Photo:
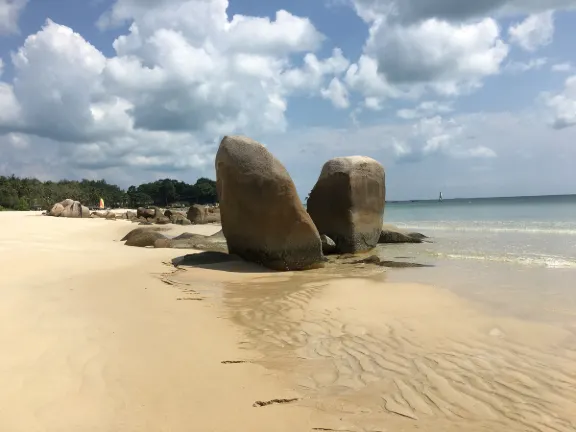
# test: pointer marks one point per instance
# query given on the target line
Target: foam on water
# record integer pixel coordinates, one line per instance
(534, 260)
(488, 226)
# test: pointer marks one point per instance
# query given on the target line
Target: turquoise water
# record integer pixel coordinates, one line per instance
(515, 254)
(538, 231)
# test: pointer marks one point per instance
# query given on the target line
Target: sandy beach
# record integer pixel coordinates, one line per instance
(98, 336)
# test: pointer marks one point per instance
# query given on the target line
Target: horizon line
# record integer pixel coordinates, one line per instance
(480, 198)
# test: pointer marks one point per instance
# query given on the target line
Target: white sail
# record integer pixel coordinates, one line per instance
(440, 198)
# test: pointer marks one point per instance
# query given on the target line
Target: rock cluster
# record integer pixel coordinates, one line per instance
(264, 221)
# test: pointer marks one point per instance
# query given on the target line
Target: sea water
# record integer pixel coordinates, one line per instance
(533, 231)
(518, 253)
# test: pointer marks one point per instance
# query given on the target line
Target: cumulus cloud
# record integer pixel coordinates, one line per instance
(364, 78)
(310, 76)
(425, 109)
(183, 74)
(336, 93)
(10, 11)
(441, 136)
(432, 56)
(437, 51)
(534, 32)
(516, 67)
(562, 67)
(562, 106)
(485, 154)
(444, 47)
(410, 11)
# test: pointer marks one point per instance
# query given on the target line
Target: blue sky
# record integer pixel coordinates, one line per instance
(473, 100)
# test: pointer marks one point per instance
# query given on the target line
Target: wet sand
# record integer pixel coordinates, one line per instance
(104, 337)
(404, 356)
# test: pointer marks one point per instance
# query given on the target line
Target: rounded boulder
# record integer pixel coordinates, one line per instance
(262, 216)
(347, 202)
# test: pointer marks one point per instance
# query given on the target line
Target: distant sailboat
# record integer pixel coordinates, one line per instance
(440, 197)
(101, 203)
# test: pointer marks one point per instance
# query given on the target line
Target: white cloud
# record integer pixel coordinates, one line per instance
(562, 106)
(437, 51)
(436, 134)
(183, 74)
(427, 57)
(516, 137)
(312, 73)
(65, 103)
(480, 152)
(410, 11)
(336, 93)
(440, 136)
(10, 11)
(373, 103)
(364, 78)
(425, 109)
(18, 141)
(534, 32)
(520, 67)
(562, 67)
(9, 107)
(467, 167)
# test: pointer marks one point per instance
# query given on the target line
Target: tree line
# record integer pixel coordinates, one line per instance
(32, 194)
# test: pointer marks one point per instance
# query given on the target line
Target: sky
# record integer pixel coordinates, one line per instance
(471, 98)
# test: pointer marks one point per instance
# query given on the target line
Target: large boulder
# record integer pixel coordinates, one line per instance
(347, 202)
(67, 202)
(70, 209)
(56, 210)
(263, 219)
(199, 214)
(196, 214)
(146, 212)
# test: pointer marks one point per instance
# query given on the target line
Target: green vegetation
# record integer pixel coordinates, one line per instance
(29, 194)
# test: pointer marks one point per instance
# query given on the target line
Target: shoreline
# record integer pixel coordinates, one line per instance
(106, 337)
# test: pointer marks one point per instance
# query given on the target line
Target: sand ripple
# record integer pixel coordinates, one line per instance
(414, 357)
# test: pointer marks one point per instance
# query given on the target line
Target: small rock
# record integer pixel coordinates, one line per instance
(162, 220)
(145, 238)
(328, 245)
(391, 236)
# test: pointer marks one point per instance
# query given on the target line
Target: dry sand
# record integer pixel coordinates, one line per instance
(93, 340)
(98, 336)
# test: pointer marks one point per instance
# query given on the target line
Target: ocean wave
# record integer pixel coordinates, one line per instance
(548, 261)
